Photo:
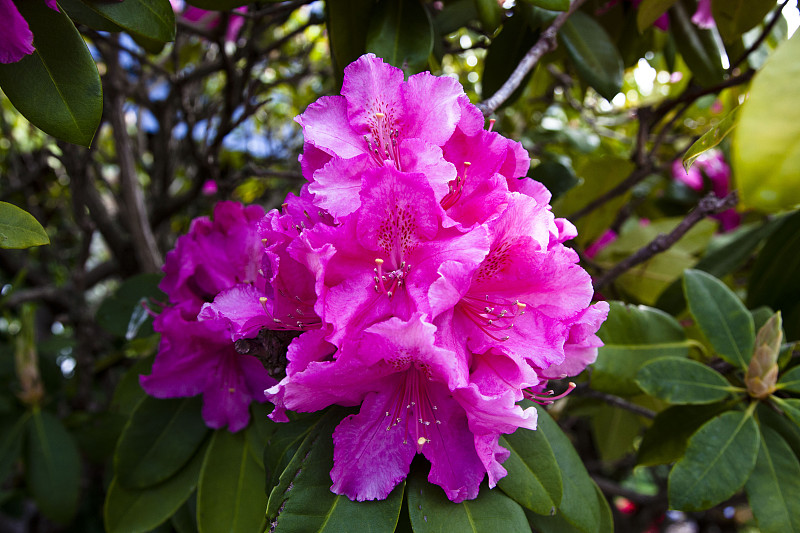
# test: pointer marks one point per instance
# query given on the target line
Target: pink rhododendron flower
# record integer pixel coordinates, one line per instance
(713, 166)
(198, 357)
(703, 18)
(441, 290)
(209, 20)
(16, 38)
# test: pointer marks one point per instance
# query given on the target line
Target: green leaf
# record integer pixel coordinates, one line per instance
(775, 278)
(129, 393)
(581, 509)
(140, 510)
(556, 177)
(534, 479)
(11, 438)
(53, 467)
(160, 437)
(282, 448)
(348, 23)
(310, 506)
(766, 144)
(432, 512)
(790, 407)
(504, 54)
(774, 486)
(80, 12)
(260, 431)
(790, 381)
(682, 381)
(735, 17)
(785, 427)
(632, 336)
(401, 32)
(152, 19)
(614, 431)
(224, 5)
(721, 316)
(185, 518)
(57, 87)
(649, 11)
(118, 313)
(489, 13)
(595, 56)
(551, 5)
(18, 228)
(230, 494)
(697, 46)
(710, 139)
(455, 15)
(718, 461)
(666, 439)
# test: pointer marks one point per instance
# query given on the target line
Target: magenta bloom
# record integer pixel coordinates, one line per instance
(713, 166)
(16, 38)
(198, 357)
(430, 280)
(209, 20)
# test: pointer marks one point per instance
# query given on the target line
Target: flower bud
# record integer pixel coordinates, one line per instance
(762, 374)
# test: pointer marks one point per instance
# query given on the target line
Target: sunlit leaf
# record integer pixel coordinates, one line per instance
(18, 228)
(682, 381)
(766, 143)
(710, 139)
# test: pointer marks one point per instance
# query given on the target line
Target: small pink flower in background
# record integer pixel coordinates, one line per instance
(210, 188)
(703, 17)
(16, 38)
(713, 166)
(604, 240)
(209, 20)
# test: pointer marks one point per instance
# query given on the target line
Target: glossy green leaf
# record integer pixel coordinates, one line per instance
(721, 316)
(697, 46)
(649, 11)
(281, 449)
(310, 506)
(773, 489)
(534, 479)
(432, 512)
(666, 439)
(401, 32)
(260, 431)
(184, 520)
(682, 381)
(556, 177)
(140, 510)
(632, 336)
(11, 439)
(78, 11)
(581, 509)
(504, 54)
(455, 15)
(766, 144)
(152, 19)
(225, 5)
(57, 87)
(347, 24)
(160, 437)
(551, 5)
(18, 228)
(53, 467)
(594, 55)
(790, 407)
(735, 17)
(129, 393)
(790, 381)
(775, 278)
(710, 139)
(230, 494)
(718, 461)
(777, 421)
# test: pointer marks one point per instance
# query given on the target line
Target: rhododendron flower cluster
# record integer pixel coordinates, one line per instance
(425, 279)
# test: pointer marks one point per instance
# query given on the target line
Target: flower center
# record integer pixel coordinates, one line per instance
(389, 282)
(456, 187)
(382, 140)
(410, 404)
(492, 315)
(301, 318)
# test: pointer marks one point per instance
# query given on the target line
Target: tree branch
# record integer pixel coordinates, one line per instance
(546, 43)
(709, 205)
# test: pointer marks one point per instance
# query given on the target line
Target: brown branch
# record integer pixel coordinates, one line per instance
(708, 205)
(546, 43)
(616, 401)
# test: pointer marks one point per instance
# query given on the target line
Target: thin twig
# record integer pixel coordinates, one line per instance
(616, 401)
(764, 34)
(546, 43)
(708, 205)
